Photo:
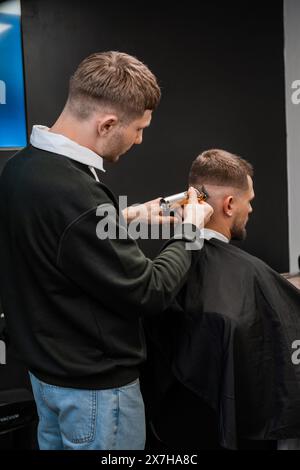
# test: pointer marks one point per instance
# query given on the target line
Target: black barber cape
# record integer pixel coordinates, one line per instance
(229, 340)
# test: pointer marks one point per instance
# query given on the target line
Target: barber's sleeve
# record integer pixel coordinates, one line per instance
(115, 271)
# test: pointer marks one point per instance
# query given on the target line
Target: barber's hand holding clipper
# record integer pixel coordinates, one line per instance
(193, 212)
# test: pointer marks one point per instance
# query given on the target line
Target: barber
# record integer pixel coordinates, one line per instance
(73, 299)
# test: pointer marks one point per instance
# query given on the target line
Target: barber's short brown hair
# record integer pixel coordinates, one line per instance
(220, 168)
(113, 79)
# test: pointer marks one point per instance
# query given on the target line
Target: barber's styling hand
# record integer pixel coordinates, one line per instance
(194, 212)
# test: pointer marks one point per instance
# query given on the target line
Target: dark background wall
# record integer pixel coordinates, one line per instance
(221, 68)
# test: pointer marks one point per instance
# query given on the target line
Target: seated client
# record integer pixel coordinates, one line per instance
(230, 372)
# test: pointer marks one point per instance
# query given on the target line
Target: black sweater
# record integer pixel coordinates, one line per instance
(73, 302)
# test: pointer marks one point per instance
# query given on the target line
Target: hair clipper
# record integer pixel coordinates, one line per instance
(180, 199)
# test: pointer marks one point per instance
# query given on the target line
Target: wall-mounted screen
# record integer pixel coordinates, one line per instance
(12, 100)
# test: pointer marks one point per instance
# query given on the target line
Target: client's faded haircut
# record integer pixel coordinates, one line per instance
(220, 168)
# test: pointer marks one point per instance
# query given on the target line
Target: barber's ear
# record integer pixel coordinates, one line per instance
(228, 206)
(106, 125)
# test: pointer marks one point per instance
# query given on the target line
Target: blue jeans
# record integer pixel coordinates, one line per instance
(69, 418)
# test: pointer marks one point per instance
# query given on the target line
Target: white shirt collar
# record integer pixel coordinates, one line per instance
(209, 233)
(57, 143)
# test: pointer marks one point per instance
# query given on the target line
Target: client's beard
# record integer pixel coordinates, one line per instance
(238, 232)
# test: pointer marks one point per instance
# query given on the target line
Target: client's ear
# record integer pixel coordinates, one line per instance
(107, 124)
(228, 206)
